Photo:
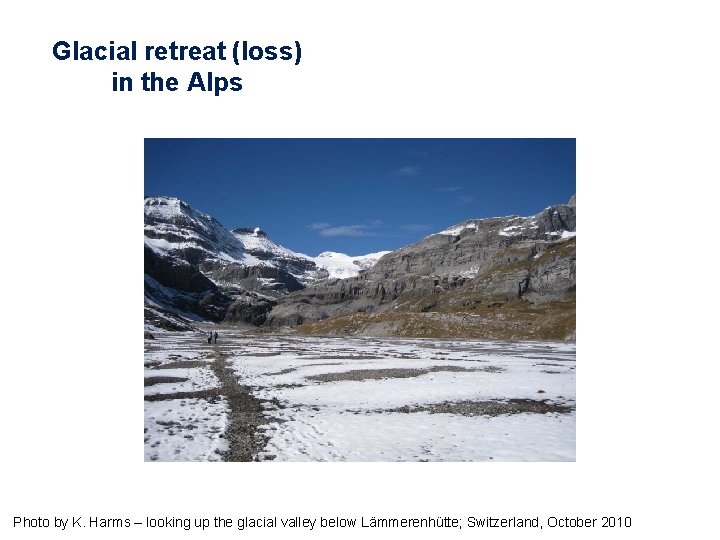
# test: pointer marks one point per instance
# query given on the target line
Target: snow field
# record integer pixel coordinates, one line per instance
(185, 430)
(190, 429)
(337, 399)
(349, 420)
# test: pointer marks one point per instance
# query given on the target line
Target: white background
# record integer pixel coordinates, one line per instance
(634, 82)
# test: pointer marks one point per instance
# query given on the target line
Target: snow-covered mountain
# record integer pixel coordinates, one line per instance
(172, 227)
(342, 266)
(193, 264)
(256, 243)
(305, 268)
(196, 268)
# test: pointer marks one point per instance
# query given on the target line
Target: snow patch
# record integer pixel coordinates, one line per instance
(341, 266)
(185, 430)
(457, 229)
(352, 420)
(512, 230)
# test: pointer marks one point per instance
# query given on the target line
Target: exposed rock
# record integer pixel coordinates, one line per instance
(249, 309)
(487, 277)
(159, 318)
(177, 286)
(175, 273)
(476, 261)
(298, 267)
(237, 278)
(197, 268)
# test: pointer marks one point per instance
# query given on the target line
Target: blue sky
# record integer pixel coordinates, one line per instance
(359, 196)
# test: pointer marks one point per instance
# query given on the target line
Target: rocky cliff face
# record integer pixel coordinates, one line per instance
(474, 246)
(176, 286)
(478, 261)
(511, 277)
(301, 267)
(199, 269)
(176, 231)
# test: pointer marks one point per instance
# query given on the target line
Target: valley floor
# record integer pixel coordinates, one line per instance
(294, 398)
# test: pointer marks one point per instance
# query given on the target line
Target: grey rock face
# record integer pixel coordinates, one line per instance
(302, 270)
(197, 267)
(249, 309)
(237, 278)
(171, 225)
(175, 285)
(475, 246)
(461, 255)
(176, 274)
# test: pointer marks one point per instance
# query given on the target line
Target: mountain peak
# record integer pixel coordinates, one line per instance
(165, 205)
(173, 227)
(254, 231)
(164, 208)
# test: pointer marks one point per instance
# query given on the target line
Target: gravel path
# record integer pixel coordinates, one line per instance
(246, 414)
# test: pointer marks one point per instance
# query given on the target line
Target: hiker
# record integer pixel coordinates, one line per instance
(209, 337)
(215, 337)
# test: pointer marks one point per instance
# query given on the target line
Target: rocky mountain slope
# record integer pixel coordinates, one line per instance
(506, 278)
(509, 277)
(196, 268)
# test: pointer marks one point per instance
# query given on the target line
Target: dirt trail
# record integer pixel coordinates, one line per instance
(246, 413)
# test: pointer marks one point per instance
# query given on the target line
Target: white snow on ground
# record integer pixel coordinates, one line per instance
(340, 265)
(351, 420)
(199, 378)
(185, 430)
(329, 436)
(189, 429)
(348, 420)
(434, 387)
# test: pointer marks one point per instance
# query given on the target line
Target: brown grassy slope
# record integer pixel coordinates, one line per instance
(513, 320)
(486, 307)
